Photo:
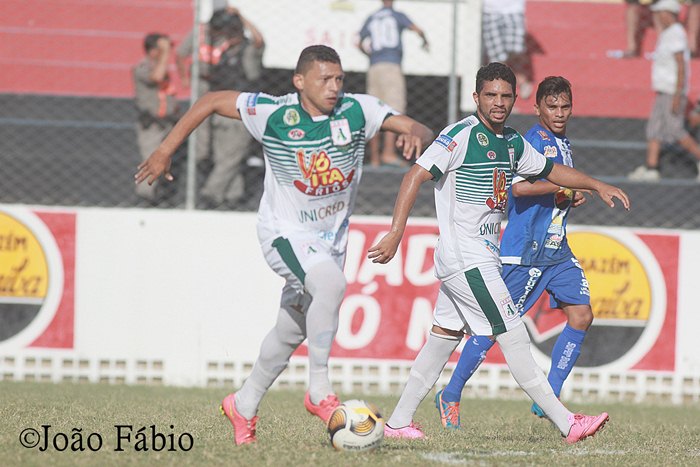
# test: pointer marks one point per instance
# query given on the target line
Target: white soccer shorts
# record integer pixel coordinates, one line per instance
(476, 301)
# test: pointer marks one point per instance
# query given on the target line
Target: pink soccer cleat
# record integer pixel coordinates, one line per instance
(411, 431)
(243, 429)
(583, 426)
(324, 409)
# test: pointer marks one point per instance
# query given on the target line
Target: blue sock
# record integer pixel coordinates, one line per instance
(566, 350)
(473, 354)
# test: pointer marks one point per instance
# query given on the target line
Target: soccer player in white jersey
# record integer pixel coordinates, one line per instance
(535, 254)
(473, 162)
(313, 142)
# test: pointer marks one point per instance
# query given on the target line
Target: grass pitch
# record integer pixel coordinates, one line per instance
(493, 433)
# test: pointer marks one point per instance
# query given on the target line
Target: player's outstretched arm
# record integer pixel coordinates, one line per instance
(386, 248)
(158, 163)
(413, 136)
(572, 178)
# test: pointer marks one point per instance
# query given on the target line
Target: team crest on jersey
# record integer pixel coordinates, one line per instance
(291, 117)
(550, 151)
(319, 177)
(296, 133)
(446, 142)
(482, 139)
(543, 134)
(491, 155)
(500, 191)
(340, 132)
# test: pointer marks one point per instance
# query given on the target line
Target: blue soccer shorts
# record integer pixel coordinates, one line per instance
(565, 282)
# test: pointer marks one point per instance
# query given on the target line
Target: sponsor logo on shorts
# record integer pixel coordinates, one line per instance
(507, 305)
(534, 274)
(482, 139)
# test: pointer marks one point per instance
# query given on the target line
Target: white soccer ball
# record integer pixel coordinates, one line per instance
(356, 425)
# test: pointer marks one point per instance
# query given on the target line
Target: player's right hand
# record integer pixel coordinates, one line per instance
(385, 250)
(156, 165)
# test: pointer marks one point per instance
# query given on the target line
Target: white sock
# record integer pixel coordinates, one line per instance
(326, 284)
(424, 373)
(275, 350)
(515, 345)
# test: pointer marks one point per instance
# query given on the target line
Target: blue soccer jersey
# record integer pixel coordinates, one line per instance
(536, 231)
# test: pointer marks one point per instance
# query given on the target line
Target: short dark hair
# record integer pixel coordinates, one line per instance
(226, 23)
(492, 72)
(151, 40)
(315, 53)
(553, 86)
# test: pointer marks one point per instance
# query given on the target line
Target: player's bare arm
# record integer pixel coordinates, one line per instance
(572, 178)
(386, 248)
(413, 136)
(220, 102)
(545, 187)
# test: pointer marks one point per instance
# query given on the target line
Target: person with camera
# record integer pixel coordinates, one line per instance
(230, 57)
(155, 101)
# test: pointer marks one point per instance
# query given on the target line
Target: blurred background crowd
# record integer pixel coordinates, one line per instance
(89, 88)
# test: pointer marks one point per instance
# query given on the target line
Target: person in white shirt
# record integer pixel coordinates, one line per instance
(670, 75)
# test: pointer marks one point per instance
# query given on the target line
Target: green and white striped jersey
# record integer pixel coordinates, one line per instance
(473, 169)
(313, 165)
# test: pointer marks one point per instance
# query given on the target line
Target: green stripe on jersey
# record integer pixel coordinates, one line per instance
(456, 129)
(485, 300)
(284, 248)
(437, 173)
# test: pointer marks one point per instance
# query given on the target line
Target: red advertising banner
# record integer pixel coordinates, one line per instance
(387, 310)
(37, 279)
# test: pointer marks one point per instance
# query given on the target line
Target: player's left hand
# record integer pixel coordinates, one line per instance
(608, 192)
(410, 145)
(579, 198)
(385, 250)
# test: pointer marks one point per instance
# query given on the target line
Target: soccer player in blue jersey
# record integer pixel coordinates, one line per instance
(535, 253)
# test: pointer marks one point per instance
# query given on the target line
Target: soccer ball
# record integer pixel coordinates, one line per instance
(356, 425)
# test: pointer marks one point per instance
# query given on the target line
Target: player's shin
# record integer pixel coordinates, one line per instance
(473, 354)
(326, 284)
(424, 373)
(515, 345)
(565, 352)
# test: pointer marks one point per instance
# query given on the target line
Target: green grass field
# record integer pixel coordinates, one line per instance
(501, 432)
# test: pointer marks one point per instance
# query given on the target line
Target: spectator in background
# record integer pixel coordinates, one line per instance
(380, 39)
(155, 101)
(693, 25)
(227, 60)
(670, 75)
(503, 34)
(636, 22)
